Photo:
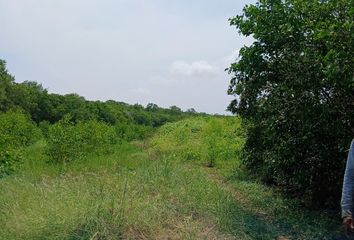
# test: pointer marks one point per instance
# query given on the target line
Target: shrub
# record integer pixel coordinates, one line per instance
(16, 132)
(130, 132)
(9, 160)
(68, 141)
(44, 127)
(294, 85)
(210, 140)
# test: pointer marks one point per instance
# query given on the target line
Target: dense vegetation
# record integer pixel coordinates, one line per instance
(77, 169)
(159, 188)
(42, 106)
(72, 126)
(16, 132)
(295, 89)
(67, 142)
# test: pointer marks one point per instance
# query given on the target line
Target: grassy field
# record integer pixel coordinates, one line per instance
(186, 182)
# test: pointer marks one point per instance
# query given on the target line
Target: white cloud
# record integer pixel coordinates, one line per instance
(125, 50)
(198, 68)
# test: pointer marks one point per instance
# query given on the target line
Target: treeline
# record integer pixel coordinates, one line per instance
(72, 126)
(296, 94)
(41, 106)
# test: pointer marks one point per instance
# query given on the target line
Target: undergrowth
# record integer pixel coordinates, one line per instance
(186, 182)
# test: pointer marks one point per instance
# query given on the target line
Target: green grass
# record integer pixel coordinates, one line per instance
(264, 213)
(161, 188)
(124, 195)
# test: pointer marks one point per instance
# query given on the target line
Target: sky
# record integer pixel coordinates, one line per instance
(136, 51)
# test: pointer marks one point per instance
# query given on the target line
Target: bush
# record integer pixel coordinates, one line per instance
(10, 159)
(68, 141)
(44, 127)
(130, 132)
(16, 132)
(294, 85)
(207, 140)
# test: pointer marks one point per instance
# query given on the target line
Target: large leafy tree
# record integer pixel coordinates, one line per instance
(29, 96)
(6, 81)
(294, 87)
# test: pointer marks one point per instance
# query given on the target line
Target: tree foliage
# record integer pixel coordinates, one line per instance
(67, 141)
(294, 86)
(73, 127)
(16, 132)
(40, 105)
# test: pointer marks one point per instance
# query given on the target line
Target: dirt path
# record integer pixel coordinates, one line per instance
(245, 202)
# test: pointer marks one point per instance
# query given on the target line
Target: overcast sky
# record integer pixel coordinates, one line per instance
(169, 52)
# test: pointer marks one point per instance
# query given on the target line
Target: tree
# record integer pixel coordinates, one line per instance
(28, 96)
(175, 110)
(191, 111)
(152, 107)
(294, 87)
(6, 80)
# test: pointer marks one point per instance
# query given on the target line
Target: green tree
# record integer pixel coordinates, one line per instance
(67, 141)
(28, 96)
(191, 111)
(175, 110)
(16, 132)
(152, 107)
(294, 86)
(6, 80)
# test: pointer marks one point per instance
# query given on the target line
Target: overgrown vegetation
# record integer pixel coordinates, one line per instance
(72, 126)
(42, 106)
(67, 142)
(16, 132)
(160, 188)
(77, 169)
(296, 93)
(205, 140)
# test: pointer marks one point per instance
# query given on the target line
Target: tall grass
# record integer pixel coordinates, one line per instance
(259, 211)
(128, 198)
(162, 188)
